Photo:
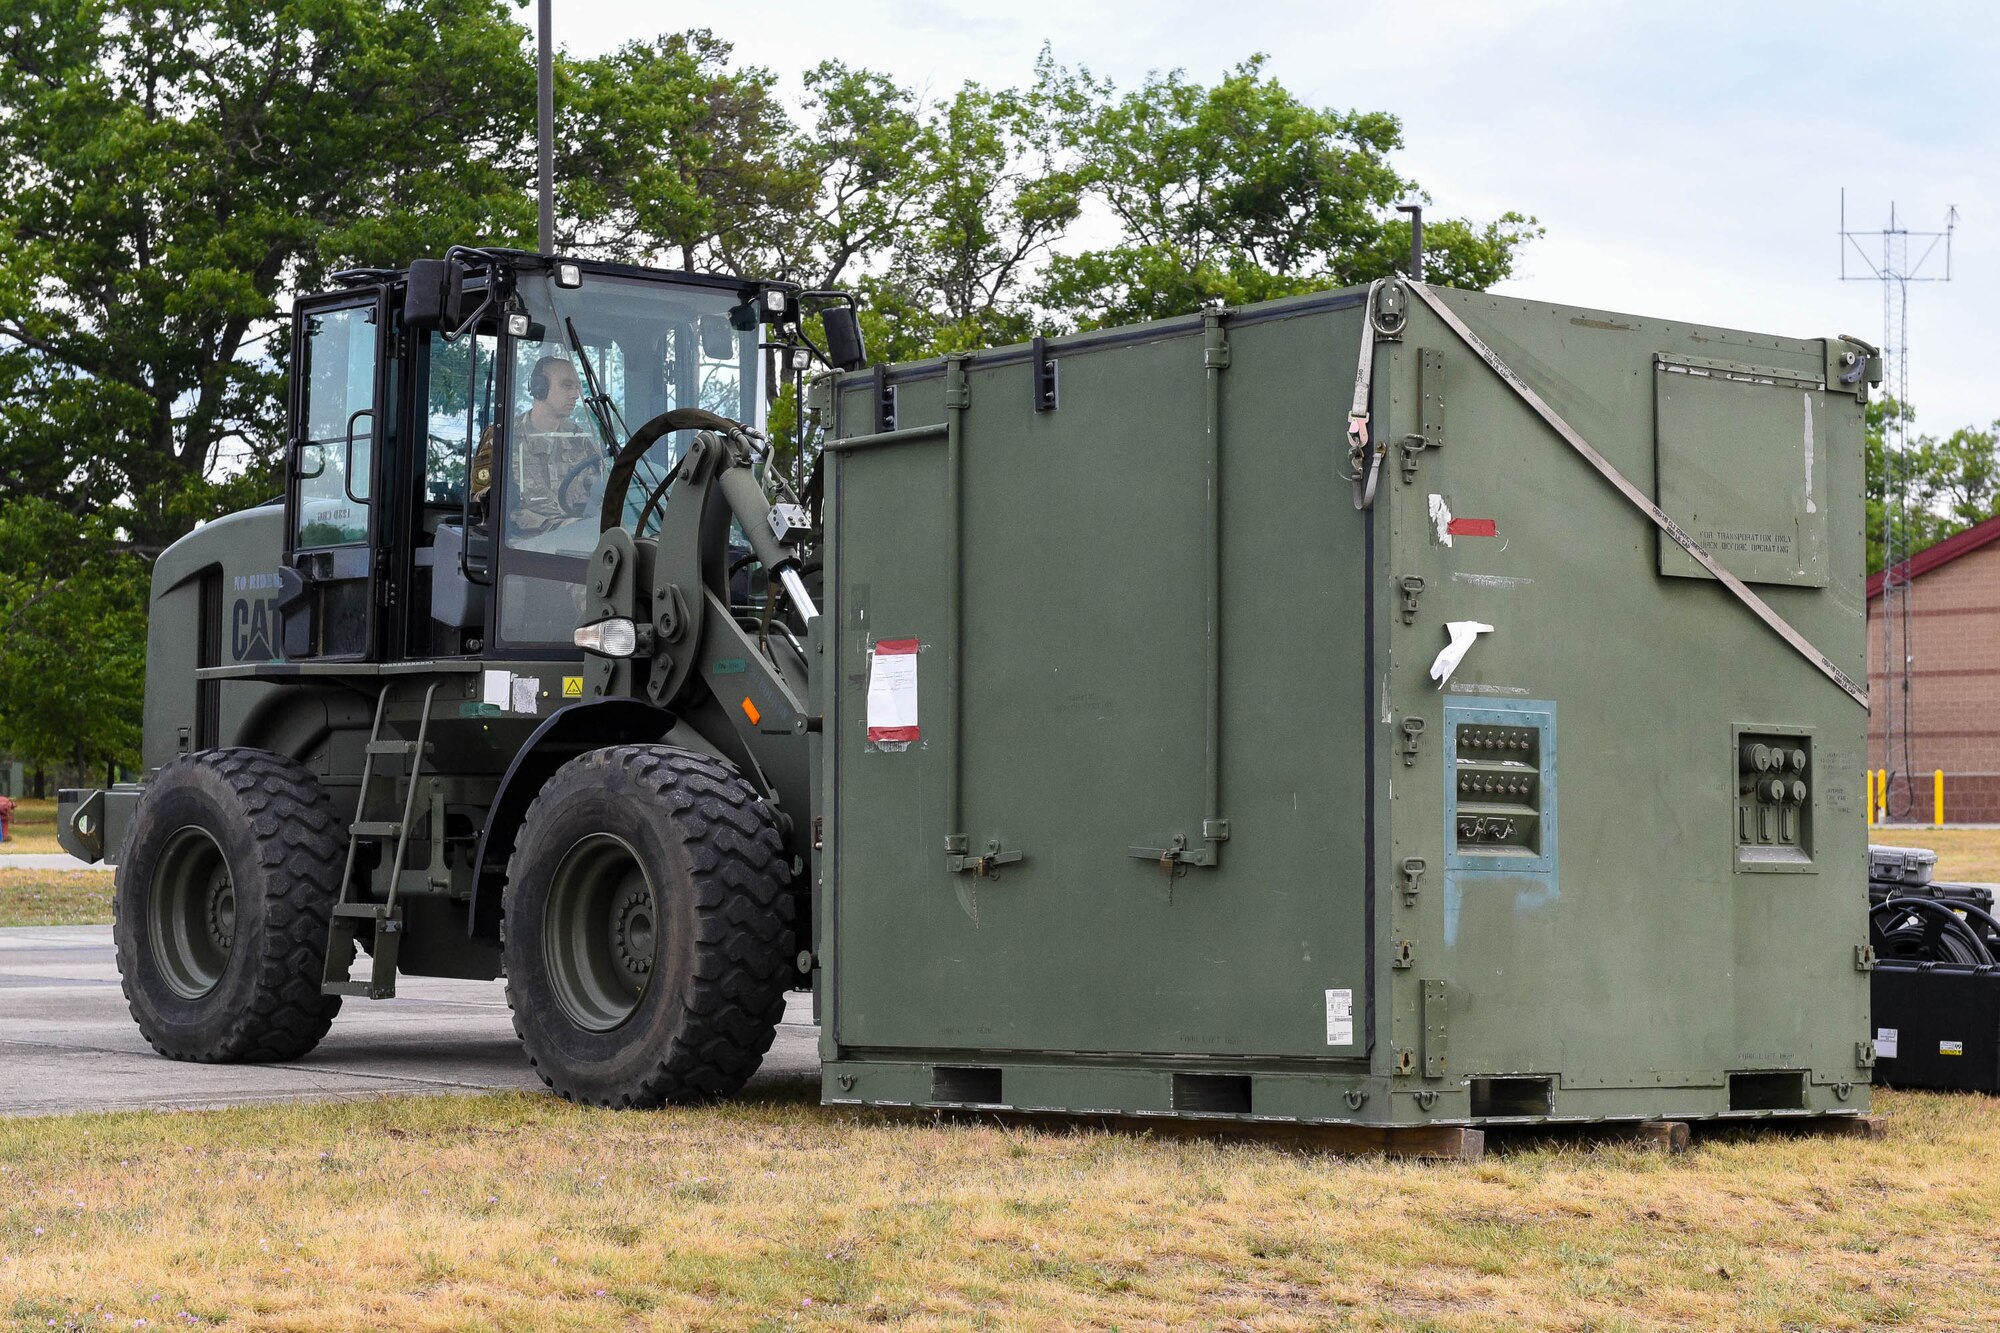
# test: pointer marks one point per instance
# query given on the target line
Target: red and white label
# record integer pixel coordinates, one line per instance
(892, 693)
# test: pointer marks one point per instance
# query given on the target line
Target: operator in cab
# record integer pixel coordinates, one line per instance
(556, 464)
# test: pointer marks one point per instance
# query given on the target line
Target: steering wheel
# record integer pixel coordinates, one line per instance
(578, 506)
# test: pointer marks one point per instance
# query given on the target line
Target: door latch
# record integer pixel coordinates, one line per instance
(1413, 730)
(1413, 448)
(1413, 870)
(986, 866)
(1413, 587)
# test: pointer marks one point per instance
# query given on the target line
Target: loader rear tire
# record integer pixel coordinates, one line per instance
(220, 917)
(647, 928)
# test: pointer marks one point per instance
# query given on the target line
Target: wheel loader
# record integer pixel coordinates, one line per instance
(509, 681)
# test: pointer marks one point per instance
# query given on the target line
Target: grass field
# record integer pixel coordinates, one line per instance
(32, 828)
(55, 897)
(1963, 853)
(522, 1212)
(519, 1212)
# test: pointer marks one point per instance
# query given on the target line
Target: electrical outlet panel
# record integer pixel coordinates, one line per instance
(1774, 799)
(1500, 786)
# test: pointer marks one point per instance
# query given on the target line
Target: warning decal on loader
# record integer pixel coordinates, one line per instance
(892, 694)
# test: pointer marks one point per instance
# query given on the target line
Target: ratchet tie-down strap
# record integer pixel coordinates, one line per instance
(1639, 499)
(1365, 462)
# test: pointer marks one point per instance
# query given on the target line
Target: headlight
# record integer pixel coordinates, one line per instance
(617, 637)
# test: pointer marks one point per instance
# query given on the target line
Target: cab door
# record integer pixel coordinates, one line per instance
(327, 594)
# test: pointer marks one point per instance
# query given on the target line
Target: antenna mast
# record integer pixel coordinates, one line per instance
(1905, 257)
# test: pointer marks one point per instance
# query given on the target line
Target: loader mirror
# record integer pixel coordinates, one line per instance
(423, 297)
(844, 346)
(718, 338)
(460, 298)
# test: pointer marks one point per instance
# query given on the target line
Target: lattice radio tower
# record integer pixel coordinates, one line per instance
(1895, 257)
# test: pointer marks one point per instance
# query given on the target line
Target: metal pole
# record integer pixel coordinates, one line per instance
(546, 127)
(1416, 213)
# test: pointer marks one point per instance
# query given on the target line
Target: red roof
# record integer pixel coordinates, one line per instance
(1946, 551)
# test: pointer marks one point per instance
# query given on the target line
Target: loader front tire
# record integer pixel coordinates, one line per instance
(227, 882)
(647, 928)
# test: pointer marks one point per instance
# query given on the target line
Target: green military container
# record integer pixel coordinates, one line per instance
(1141, 790)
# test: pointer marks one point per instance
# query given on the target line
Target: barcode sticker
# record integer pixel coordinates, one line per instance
(1340, 1018)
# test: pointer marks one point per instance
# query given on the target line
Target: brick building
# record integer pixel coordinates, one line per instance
(1954, 685)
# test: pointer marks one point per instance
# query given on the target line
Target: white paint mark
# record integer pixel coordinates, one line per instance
(1490, 580)
(1385, 698)
(1464, 633)
(1441, 519)
(1460, 687)
(1811, 507)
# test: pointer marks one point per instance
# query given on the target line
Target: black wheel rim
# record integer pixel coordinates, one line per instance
(191, 912)
(600, 933)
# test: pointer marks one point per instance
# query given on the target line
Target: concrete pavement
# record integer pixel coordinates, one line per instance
(46, 861)
(68, 1044)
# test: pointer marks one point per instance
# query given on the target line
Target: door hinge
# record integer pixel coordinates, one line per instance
(1047, 395)
(1434, 1029)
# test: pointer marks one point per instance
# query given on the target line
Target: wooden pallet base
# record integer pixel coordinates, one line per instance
(1439, 1143)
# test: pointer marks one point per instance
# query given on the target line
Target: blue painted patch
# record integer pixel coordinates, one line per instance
(1532, 877)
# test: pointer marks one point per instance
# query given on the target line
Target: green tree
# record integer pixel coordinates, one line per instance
(73, 621)
(665, 154)
(1241, 192)
(1929, 489)
(176, 167)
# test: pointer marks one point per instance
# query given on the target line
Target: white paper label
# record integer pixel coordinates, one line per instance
(1951, 1048)
(525, 689)
(494, 688)
(1340, 1018)
(1885, 1043)
(1464, 633)
(892, 694)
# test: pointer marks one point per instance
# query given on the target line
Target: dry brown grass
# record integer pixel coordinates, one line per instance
(521, 1212)
(55, 897)
(32, 828)
(1963, 853)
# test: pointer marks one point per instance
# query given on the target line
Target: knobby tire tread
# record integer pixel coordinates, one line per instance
(302, 850)
(743, 905)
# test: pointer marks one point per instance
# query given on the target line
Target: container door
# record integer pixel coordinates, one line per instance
(326, 600)
(1038, 846)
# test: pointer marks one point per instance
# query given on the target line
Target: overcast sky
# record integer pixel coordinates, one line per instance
(1687, 160)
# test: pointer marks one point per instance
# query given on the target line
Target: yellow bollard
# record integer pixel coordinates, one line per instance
(1869, 774)
(1937, 790)
(1882, 795)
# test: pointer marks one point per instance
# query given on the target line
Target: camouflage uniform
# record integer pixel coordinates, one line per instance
(539, 462)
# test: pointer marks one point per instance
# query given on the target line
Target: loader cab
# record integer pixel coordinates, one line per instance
(451, 427)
